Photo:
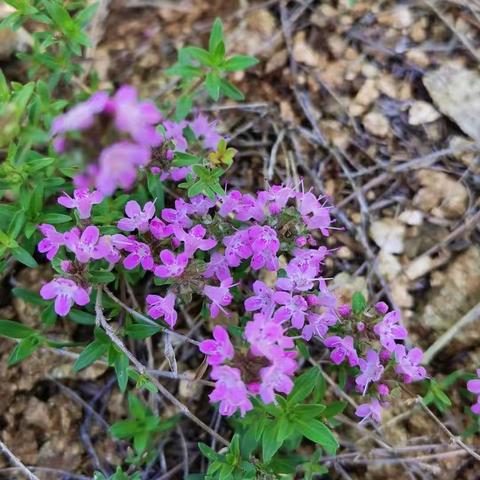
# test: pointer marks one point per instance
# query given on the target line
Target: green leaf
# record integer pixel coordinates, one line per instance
(335, 408)
(49, 316)
(55, 218)
(317, 432)
(230, 90)
(91, 354)
(16, 224)
(238, 63)
(124, 428)
(24, 257)
(216, 35)
(208, 452)
(23, 350)
(82, 318)
(121, 364)
(12, 329)
(183, 107)
(140, 331)
(28, 296)
(101, 276)
(270, 441)
(136, 407)
(304, 385)
(359, 304)
(212, 85)
(140, 441)
(306, 412)
(186, 159)
(199, 54)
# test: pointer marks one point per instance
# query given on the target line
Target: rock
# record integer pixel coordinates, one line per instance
(457, 291)
(422, 112)
(367, 94)
(440, 195)
(419, 267)
(456, 93)
(399, 17)
(411, 217)
(304, 53)
(345, 285)
(388, 234)
(376, 124)
(388, 265)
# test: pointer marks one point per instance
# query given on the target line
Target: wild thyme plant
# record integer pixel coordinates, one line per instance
(110, 228)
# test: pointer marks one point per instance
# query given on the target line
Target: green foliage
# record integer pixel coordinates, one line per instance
(142, 427)
(118, 475)
(359, 303)
(198, 67)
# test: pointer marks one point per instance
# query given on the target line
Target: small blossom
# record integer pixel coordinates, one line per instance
(318, 324)
(294, 308)
(230, 391)
(218, 350)
(85, 244)
(342, 347)
(173, 266)
(408, 364)
(178, 216)
(370, 410)
(217, 267)
(381, 307)
(158, 307)
(390, 330)
(383, 389)
(66, 292)
(139, 253)
(237, 247)
(194, 240)
(174, 132)
(82, 200)
(52, 242)
(205, 131)
(137, 218)
(262, 300)
(159, 230)
(219, 296)
(345, 310)
(315, 215)
(473, 386)
(371, 370)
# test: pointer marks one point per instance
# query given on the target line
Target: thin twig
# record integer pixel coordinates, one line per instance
(17, 462)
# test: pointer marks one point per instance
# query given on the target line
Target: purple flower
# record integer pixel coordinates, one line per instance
(81, 116)
(342, 347)
(85, 245)
(193, 240)
(219, 296)
(278, 197)
(318, 324)
(345, 310)
(237, 247)
(158, 307)
(159, 230)
(139, 253)
(200, 205)
(217, 267)
(383, 389)
(136, 118)
(264, 334)
(206, 131)
(173, 266)
(314, 215)
(66, 292)
(371, 369)
(218, 350)
(381, 307)
(277, 377)
(264, 244)
(262, 300)
(300, 276)
(137, 218)
(390, 330)
(108, 249)
(174, 132)
(52, 242)
(370, 410)
(294, 308)
(408, 364)
(178, 216)
(230, 391)
(473, 386)
(82, 200)
(118, 166)
(244, 206)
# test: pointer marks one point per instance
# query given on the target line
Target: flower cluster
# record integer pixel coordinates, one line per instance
(473, 386)
(142, 137)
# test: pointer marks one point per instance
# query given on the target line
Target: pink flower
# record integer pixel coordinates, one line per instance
(85, 245)
(159, 230)
(245, 207)
(237, 247)
(473, 386)
(381, 307)
(345, 310)
(264, 244)
(314, 215)
(264, 335)
(263, 300)
(193, 239)
(390, 330)
(277, 377)
(158, 307)
(370, 410)
(136, 118)
(139, 253)
(137, 218)
(342, 347)
(217, 267)
(173, 266)
(81, 116)
(66, 292)
(118, 166)
(200, 205)
(371, 370)
(383, 389)
(408, 364)
(206, 131)
(220, 297)
(82, 200)
(301, 276)
(318, 324)
(174, 132)
(52, 242)
(230, 391)
(218, 350)
(294, 308)
(278, 197)
(178, 216)
(108, 249)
